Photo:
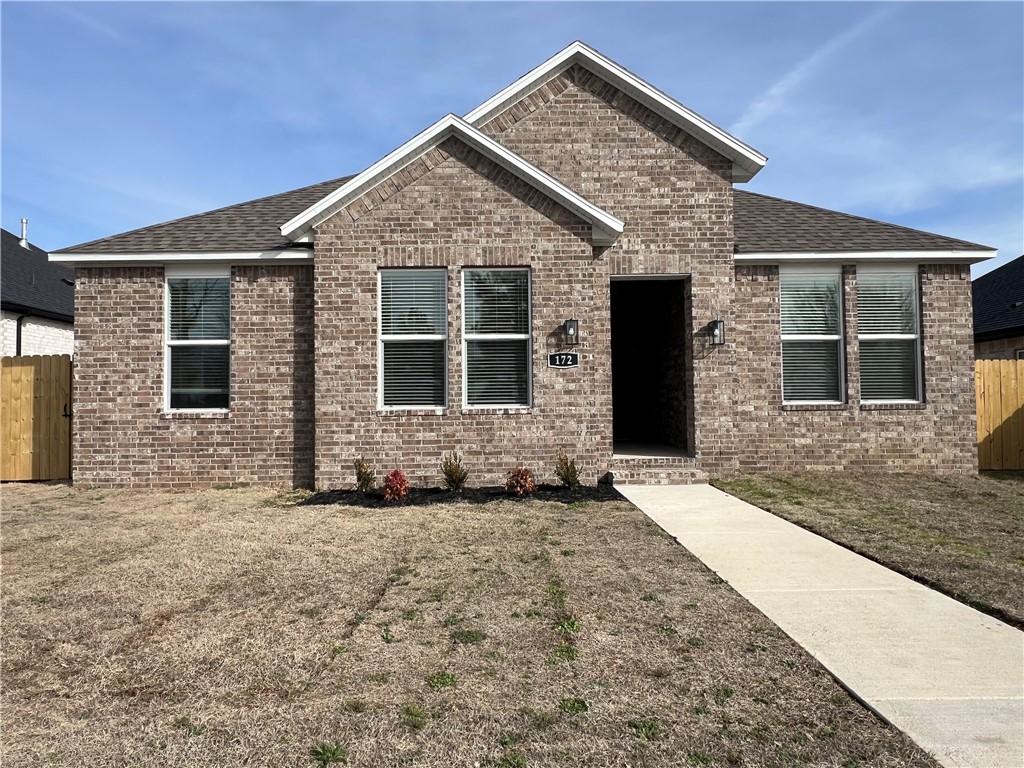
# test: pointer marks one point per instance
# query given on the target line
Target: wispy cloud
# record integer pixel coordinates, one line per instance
(775, 98)
(90, 22)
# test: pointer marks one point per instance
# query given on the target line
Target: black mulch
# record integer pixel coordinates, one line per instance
(421, 497)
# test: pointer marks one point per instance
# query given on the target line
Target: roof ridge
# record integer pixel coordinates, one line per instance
(72, 248)
(855, 217)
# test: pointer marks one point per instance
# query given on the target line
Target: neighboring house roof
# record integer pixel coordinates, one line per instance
(605, 226)
(746, 160)
(30, 284)
(999, 302)
(765, 225)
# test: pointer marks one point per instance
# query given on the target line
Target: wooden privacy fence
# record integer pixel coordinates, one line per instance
(1000, 388)
(35, 417)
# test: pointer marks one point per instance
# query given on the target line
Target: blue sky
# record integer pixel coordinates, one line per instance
(118, 115)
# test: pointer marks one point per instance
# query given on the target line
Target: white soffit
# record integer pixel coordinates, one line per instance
(865, 257)
(606, 228)
(284, 256)
(746, 160)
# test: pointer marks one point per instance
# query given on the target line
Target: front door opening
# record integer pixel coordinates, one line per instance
(650, 361)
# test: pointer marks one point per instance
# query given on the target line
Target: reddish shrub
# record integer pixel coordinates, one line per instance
(520, 482)
(396, 487)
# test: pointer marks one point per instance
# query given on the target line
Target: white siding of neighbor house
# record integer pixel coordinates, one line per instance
(39, 336)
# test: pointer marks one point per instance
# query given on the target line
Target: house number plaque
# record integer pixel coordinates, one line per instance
(564, 360)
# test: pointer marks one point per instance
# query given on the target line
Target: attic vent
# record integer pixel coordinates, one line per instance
(1016, 304)
(24, 233)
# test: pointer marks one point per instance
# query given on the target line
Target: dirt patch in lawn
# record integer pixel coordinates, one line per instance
(235, 627)
(961, 534)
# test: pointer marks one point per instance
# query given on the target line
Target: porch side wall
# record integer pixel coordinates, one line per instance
(454, 209)
(936, 435)
(123, 437)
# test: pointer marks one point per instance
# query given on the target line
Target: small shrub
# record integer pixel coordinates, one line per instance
(454, 472)
(440, 680)
(396, 487)
(566, 470)
(325, 753)
(365, 481)
(519, 482)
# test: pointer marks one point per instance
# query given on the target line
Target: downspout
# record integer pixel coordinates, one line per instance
(17, 335)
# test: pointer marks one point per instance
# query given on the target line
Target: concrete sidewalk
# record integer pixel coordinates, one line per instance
(950, 677)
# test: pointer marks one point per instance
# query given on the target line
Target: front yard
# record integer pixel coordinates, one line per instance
(960, 534)
(232, 627)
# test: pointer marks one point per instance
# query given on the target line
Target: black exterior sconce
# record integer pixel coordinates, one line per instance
(716, 330)
(571, 332)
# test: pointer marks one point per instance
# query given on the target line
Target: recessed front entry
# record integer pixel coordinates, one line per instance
(649, 366)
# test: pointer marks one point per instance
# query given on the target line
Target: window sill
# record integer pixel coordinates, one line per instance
(196, 415)
(498, 409)
(815, 406)
(415, 411)
(893, 406)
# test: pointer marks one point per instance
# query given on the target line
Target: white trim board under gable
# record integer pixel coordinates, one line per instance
(606, 228)
(746, 161)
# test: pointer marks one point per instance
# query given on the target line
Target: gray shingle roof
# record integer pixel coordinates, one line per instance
(30, 283)
(763, 225)
(772, 225)
(999, 301)
(249, 226)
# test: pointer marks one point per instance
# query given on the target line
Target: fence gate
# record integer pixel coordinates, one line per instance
(35, 417)
(1000, 388)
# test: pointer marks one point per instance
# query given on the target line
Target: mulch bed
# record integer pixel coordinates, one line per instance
(421, 497)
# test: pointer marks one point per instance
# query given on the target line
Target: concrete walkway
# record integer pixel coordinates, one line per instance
(947, 675)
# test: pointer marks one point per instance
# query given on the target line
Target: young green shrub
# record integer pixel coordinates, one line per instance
(566, 470)
(365, 481)
(454, 472)
(519, 482)
(396, 487)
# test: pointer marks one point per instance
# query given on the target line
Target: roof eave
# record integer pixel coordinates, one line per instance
(747, 161)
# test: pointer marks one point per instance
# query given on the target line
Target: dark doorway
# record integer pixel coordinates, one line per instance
(649, 366)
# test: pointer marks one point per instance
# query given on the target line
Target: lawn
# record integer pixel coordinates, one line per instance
(961, 534)
(234, 627)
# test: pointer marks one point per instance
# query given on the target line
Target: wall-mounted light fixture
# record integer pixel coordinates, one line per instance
(717, 328)
(571, 331)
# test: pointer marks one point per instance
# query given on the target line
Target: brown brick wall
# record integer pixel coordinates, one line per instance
(938, 435)
(122, 437)
(455, 209)
(999, 349)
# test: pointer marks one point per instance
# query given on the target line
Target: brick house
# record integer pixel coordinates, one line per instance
(569, 266)
(999, 312)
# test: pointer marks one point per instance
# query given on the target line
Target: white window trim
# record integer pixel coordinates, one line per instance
(897, 269)
(815, 269)
(381, 338)
(194, 272)
(528, 337)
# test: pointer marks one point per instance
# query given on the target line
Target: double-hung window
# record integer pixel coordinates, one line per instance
(496, 337)
(413, 334)
(889, 335)
(198, 341)
(812, 335)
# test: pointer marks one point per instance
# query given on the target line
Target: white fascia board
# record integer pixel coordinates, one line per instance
(283, 256)
(606, 228)
(747, 161)
(866, 257)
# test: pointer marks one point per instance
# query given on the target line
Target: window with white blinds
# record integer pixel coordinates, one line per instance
(198, 343)
(889, 337)
(413, 333)
(812, 335)
(496, 337)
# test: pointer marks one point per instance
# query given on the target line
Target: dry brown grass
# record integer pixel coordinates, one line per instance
(961, 534)
(229, 628)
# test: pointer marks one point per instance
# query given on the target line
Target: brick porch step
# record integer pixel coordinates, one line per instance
(634, 468)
